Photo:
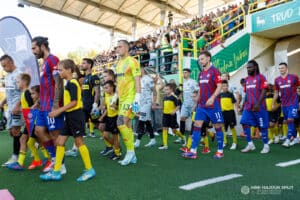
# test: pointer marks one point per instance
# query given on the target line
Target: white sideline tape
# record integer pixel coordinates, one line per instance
(288, 163)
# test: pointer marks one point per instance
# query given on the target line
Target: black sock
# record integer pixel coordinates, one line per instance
(16, 145)
(140, 129)
(149, 129)
(182, 127)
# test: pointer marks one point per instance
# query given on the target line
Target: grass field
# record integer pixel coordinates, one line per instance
(159, 174)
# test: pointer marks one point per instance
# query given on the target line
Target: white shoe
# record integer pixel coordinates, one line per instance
(163, 147)
(184, 142)
(129, 158)
(229, 133)
(233, 146)
(151, 143)
(178, 140)
(224, 145)
(156, 133)
(266, 149)
(11, 160)
(295, 141)
(282, 138)
(249, 147)
(170, 133)
(137, 143)
(135, 134)
(63, 169)
(49, 168)
(271, 141)
(286, 143)
(276, 139)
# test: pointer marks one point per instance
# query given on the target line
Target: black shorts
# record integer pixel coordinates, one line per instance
(229, 119)
(170, 121)
(297, 120)
(87, 115)
(273, 116)
(74, 124)
(280, 120)
(111, 124)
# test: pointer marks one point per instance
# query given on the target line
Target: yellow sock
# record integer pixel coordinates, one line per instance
(211, 134)
(91, 127)
(189, 142)
(284, 129)
(33, 149)
(225, 135)
(117, 151)
(128, 137)
(44, 152)
(60, 151)
(252, 131)
(21, 158)
(206, 143)
(234, 138)
(165, 137)
(85, 156)
(178, 133)
(298, 130)
(276, 130)
(107, 143)
(271, 133)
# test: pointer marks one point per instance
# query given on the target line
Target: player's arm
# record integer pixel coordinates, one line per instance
(211, 99)
(275, 97)
(74, 98)
(59, 90)
(96, 84)
(102, 116)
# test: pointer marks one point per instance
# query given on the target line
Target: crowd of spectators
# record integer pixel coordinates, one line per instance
(208, 35)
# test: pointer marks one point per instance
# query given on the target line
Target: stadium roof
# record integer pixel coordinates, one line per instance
(118, 15)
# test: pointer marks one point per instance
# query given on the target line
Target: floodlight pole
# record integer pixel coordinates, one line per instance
(134, 29)
(112, 38)
(162, 17)
(200, 7)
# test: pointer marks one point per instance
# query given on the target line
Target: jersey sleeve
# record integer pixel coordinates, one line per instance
(276, 87)
(53, 64)
(72, 88)
(135, 67)
(233, 98)
(95, 81)
(217, 76)
(28, 98)
(263, 82)
(175, 100)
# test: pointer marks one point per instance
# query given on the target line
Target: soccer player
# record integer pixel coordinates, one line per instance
(13, 96)
(228, 103)
(109, 117)
(286, 84)
(208, 105)
(169, 119)
(189, 86)
(90, 93)
(51, 93)
(254, 109)
(148, 99)
(74, 124)
(129, 92)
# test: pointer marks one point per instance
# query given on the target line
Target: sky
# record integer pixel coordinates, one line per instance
(64, 34)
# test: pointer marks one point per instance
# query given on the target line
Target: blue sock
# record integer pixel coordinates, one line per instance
(220, 138)
(247, 133)
(291, 129)
(49, 146)
(196, 137)
(264, 134)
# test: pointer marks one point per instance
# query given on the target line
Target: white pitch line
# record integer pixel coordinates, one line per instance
(203, 183)
(289, 163)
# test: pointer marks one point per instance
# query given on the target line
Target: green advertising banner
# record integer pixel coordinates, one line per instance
(276, 16)
(233, 56)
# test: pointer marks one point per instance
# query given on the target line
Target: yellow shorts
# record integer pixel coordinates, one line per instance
(125, 110)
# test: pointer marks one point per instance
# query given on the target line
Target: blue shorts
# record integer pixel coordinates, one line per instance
(257, 119)
(51, 124)
(290, 112)
(213, 114)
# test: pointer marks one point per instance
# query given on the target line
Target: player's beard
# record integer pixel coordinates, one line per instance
(40, 54)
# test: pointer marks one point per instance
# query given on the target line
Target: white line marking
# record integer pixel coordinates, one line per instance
(289, 163)
(203, 183)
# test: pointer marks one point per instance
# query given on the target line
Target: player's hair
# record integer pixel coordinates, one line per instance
(40, 40)
(125, 42)
(255, 64)
(35, 88)
(242, 81)
(283, 63)
(68, 64)
(172, 86)
(26, 78)
(110, 72)
(5, 56)
(111, 84)
(206, 53)
(225, 82)
(89, 61)
(195, 92)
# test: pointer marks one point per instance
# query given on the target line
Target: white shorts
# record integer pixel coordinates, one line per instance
(186, 111)
(145, 112)
(14, 120)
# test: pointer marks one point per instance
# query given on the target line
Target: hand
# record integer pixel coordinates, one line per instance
(136, 103)
(273, 107)
(94, 108)
(16, 110)
(53, 113)
(210, 101)
(255, 108)
(173, 113)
